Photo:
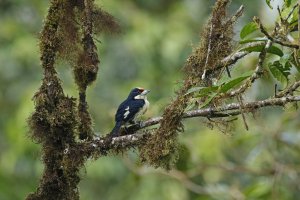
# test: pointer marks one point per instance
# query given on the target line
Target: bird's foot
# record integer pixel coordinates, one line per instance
(109, 137)
(138, 124)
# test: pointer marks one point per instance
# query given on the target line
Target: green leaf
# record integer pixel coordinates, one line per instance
(211, 92)
(227, 86)
(191, 104)
(284, 59)
(258, 39)
(202, 91)
(293, 24)
(280, 72)
(273, 50)
(288, 67)
(208, 100)
(194, 89)
(207, 90)
(288, 61)
(287, 3)
(286, 11)
(269, 4)
(277, 73)
(248, 29)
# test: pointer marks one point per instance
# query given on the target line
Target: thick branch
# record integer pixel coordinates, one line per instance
(136, 138)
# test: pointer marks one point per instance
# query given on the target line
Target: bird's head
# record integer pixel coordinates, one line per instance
(138, 93)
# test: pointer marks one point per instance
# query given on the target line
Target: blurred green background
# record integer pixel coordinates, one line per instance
(157, 36)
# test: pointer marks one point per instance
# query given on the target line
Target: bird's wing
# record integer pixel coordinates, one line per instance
(121, 111)
(128, 109)
(134, 108)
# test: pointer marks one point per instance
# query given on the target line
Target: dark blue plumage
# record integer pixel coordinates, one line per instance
(133, 107)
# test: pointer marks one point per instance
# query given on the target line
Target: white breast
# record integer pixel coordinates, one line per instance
(146, 106)
(143, 109)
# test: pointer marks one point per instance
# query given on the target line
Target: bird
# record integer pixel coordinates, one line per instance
(130, 110)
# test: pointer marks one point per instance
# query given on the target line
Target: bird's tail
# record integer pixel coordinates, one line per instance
(116, 129)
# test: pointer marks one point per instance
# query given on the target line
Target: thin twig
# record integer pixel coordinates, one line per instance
(176, 174)
(230, 167)
(189, 184)
(291, 12)
(265, 32)
(289, 90)
(234, 17)
(280, 16)
(240, 100)
(232, 20)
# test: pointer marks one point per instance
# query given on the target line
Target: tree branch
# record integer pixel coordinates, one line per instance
(233, 58)
(127, 141)
(289, 90)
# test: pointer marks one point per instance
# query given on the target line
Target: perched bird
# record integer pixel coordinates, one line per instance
(131, 109)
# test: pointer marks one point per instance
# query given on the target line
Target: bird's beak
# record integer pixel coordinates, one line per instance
(145, 92)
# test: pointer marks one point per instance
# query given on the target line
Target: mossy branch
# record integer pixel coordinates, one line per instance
(55, 123)
(137, 136)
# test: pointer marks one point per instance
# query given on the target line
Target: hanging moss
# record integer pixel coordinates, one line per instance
(161, 150)
(103, 22)
(69, 32)
(53, 123)
(94, 21)
(85, 126)
(56, 121)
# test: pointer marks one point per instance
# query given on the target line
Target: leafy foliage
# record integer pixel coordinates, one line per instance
(288, 2)
(212, 91)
